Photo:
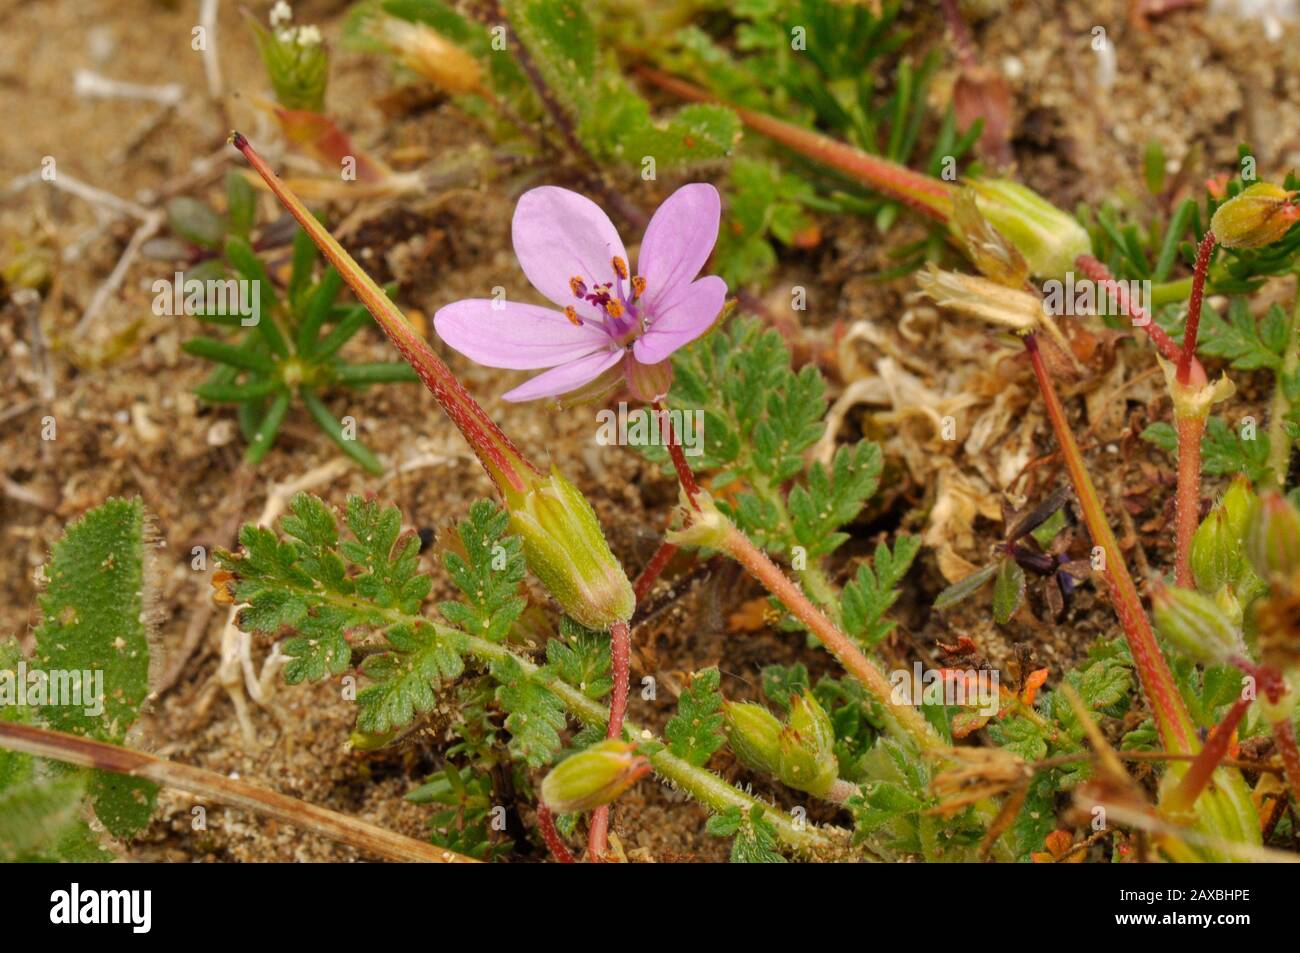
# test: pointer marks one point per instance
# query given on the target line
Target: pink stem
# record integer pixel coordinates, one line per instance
(1187, 513)
(661, 558)
(1284, 738)
(684, 474)
(1101, 275)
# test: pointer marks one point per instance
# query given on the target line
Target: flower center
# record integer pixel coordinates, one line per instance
(616, 300)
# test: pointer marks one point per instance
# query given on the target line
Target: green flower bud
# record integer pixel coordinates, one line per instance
(1217, 557)
(1273, 537)
(806, 758)
(297, 62)
(1260, 215)
(593, 777)
(1239, 503)
(754, 735)
(1195, 625)
(1049, 239)
(566, 550)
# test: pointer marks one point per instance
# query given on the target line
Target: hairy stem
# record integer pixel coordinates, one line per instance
(1100, 274)
(653, 569)
(546, 824)
(1203, 252)
(365, 837)
(1187, 500)
(1175, 725)
(906, 720)
(620, 650)
(1284, 738)
(499, 456)
(1279, 442)
(1207, 760)
(930, 197)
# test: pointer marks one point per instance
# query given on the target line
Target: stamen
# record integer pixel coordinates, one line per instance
(638, 286)
(572, 316)
(578, 287)
(613, 309)
(620, 266)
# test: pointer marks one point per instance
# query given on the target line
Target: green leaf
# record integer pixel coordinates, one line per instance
(869, 595)
(965, 587)
(756, 841)
(580, 656)
(1020, 736)
(123, 804)
(1247, 344)
(1222, 450)
(489, 575)
(93, 622)
(422, 657)
(1008, 590)
(561, 39)
(534, 717)
(830, 500)
(695, 732)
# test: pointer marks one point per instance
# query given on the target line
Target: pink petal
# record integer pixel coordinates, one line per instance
(559, 234)
(681, 321)
(515, 335)
(679, 239)
(566, 377)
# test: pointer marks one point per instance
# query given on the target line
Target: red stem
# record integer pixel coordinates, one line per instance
(684, 474)
(661, 558)
(546, 824)
(620, 650)
(1175, 726)
(1187, 512)
(1203, 253)
(1141, 318)
(1202, 769)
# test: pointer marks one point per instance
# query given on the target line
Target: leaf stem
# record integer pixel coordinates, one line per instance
(1194, 303)
(1187, 499)
(1140, 317)
(546, 823)
(620, 650)
(88, 753)
(1175, 725)
(1207, 760)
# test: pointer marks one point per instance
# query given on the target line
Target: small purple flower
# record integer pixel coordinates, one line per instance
(614, 322)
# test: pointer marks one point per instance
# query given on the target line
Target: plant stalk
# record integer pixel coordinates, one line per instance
(1279, 443)
(88, 753)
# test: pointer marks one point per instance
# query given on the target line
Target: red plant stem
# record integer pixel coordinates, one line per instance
(1203, 252)
(930, 197)
(1187, 514)
(498, 455)
(1202, 769)
(1284, 738)
(684, 474)
(1175, 725)
(620, 650)
(661, 558)
(908, 719)
(1100, 274)
(546, 824)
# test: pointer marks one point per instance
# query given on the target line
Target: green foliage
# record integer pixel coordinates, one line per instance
(580, 657)
(695, 732)
(293, 349)
(868, 596)
(535, 717)
(488, 575)
(92, 647)
(297, 64)
(755, 838)
(1222, 450)
(1248, 344)
(818, 65)
(463, 820)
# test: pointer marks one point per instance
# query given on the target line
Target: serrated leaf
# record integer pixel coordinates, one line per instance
(756, 841)
(489, 576)
(405, 678)
(1248, 344)
(870, 594)
(580, 656)
(695, 732)
(535, 716)
(93, 622)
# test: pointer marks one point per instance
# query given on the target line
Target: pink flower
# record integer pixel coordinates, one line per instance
(614, 323)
